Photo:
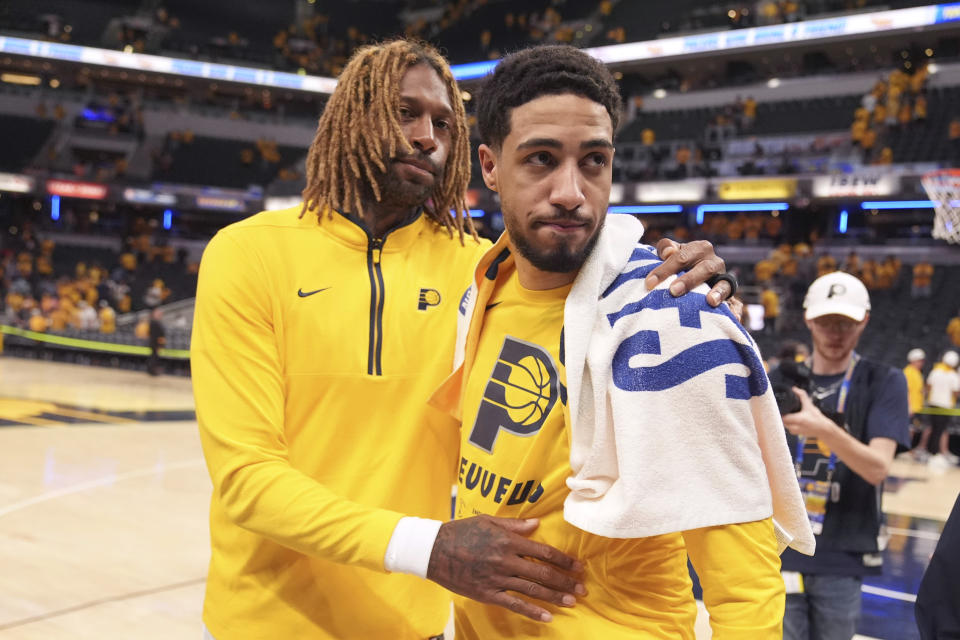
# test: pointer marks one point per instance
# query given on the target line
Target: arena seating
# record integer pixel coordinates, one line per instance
(215, 161)
(22, 139)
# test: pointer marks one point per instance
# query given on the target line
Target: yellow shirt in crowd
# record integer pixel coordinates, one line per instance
(915, 386)
(953, 331)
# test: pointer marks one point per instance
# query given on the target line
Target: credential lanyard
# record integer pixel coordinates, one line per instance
(841, 405)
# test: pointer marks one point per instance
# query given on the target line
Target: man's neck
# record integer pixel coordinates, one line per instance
(380, 219)
(536, 280)
(823, 366)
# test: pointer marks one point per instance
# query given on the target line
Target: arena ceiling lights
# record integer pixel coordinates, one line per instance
(699, 44)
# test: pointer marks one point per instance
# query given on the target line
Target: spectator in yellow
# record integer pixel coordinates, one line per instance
(894, 263)
(885, 275)
(922, 280)
(868, 273)
(772, 227)
(885, 157)
(648, 137)
(853, 265)
(770, 300)
(15, 301)
(953, 330)
(749, 112)
(37, 322)
(857, 131)
(920, 108)
(44, 266)
(735, 228)
(128, 261)
(868, 140)
(913, 372)
(91, 295)
(826, 264)
(904, 115)
(48, 303)
(108, 318)
(880, 114)
(919, 79)
(142, 330)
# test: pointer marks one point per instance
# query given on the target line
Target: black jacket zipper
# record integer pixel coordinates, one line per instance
(377, 295)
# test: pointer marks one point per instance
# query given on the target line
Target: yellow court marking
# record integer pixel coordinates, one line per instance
(15, 409)
(91, 416)
(31, 412)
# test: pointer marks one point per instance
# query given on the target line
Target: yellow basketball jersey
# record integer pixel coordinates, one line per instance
(515, 453)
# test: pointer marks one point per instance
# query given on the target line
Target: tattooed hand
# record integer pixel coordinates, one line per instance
(484, 558)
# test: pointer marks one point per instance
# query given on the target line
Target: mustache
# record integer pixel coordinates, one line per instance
(562, 215)
(420, 158)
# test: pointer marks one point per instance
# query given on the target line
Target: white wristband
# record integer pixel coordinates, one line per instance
(411, 545)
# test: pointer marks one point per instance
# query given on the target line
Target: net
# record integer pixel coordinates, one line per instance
(943, 188)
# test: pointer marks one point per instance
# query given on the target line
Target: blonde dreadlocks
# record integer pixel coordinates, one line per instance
(358, 134)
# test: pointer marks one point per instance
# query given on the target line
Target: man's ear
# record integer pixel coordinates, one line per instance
(488, 166)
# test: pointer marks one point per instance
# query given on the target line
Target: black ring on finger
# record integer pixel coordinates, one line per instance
(712, 281)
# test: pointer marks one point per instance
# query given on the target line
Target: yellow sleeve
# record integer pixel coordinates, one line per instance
(739, 570)
(239, 392)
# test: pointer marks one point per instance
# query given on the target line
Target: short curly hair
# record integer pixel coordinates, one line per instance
(538, 71)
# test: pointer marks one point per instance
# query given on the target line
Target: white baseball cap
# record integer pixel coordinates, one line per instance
(837, 293)
(916, 354)
(951, 359)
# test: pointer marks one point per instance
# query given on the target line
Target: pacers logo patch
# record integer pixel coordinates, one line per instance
(428, 298)
(520, 394)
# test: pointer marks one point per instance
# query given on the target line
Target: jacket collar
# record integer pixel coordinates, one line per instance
(351, 230)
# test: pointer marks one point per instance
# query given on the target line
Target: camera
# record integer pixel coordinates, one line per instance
(796, 374)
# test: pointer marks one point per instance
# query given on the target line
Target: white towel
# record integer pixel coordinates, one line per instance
(674, 424)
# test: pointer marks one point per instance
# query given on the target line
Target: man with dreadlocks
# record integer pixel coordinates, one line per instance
(320, 332)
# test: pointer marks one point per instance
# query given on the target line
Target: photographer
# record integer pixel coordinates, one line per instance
(845, 418)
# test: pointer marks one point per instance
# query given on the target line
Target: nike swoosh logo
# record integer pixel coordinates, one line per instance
(491, 306)
(304, 294)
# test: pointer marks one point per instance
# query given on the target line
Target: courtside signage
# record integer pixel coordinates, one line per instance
(677, 191)
(856, 185)
(71, 189)
(773, 188)
(146, 196)
(221, 203)
(16, 183)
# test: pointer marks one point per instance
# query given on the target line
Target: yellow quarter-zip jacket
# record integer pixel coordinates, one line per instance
(314, 350)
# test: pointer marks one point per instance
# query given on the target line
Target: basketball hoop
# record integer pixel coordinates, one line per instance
(943, 188)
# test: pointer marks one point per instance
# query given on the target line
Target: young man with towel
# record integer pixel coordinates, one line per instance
(637, 427)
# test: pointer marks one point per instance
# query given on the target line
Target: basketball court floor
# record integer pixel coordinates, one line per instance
(103, 511)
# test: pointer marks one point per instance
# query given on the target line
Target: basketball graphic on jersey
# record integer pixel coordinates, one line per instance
(519, 395)
(527, 392)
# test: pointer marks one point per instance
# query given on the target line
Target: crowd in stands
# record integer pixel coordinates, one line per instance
(897, 102)
(44, 288)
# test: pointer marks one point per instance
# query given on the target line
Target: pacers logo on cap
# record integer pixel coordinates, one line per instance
(428, 298)
(520, 393)
(836, 290)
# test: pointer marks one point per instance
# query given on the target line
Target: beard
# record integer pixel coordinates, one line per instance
(397, 192)
(559, 259)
